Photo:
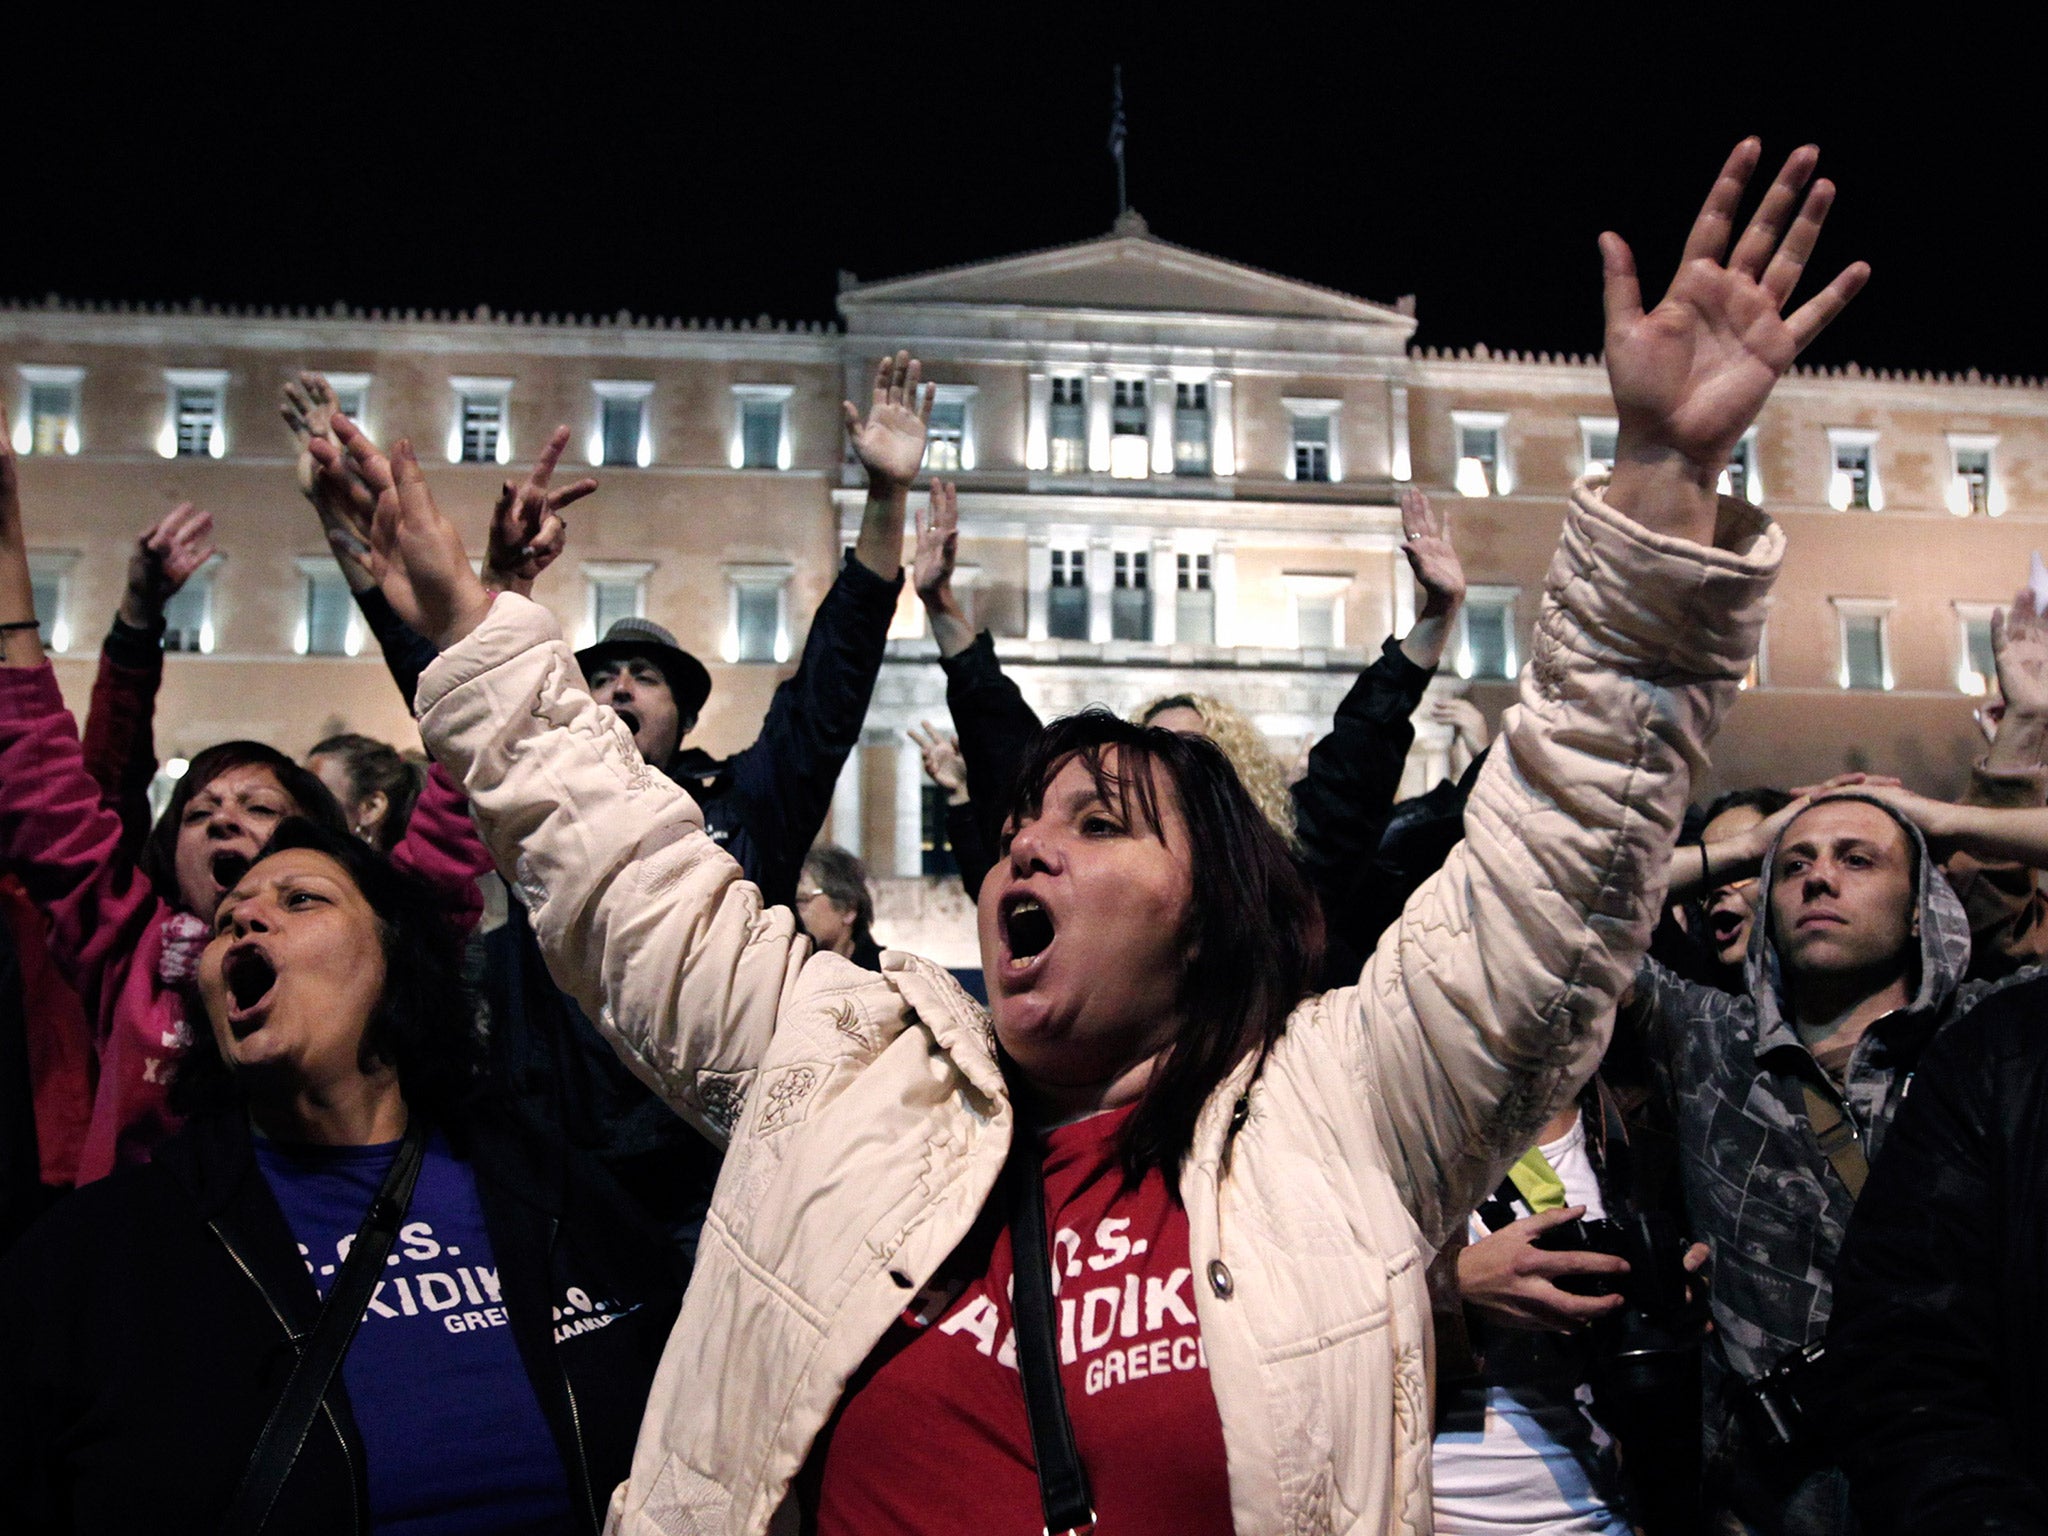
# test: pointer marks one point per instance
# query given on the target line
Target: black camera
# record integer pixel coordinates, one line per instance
(1778, 1407)
(1651, 1345)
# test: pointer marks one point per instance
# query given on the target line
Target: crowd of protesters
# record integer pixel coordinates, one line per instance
(1538, 1154)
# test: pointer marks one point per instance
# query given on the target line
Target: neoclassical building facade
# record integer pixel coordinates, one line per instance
(1177, 474)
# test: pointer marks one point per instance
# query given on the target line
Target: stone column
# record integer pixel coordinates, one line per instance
(1037, 414)
(1101, 579)
(1162, 388)
(1099, 396)
(909, 811)
(1223, 577)
(1222, 427)
(1037, 581)
(1165, 592)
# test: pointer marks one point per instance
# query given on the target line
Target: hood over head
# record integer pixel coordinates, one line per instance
(1944, 931)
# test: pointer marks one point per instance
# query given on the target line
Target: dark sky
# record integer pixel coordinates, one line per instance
(687, 161)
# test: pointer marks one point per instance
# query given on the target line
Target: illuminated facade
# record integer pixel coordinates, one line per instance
(1177, 474)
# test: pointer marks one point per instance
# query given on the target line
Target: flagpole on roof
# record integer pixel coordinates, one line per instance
(1117, 133)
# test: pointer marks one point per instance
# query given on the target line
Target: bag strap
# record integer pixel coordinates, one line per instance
(1840, 1142)
(284, 1434)
(1062, 1482)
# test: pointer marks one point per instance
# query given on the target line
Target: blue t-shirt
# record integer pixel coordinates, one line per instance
(450, 1424)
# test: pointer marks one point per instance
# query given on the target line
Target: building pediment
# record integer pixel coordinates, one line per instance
(1131, 273)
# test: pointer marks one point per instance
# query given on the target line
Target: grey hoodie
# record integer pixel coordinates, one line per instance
(1757, 1186)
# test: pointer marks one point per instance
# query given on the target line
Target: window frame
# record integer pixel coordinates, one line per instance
(755, 576)
(464, 387)
(1319, 587)
(1304, 408)
(54, 568)
(1840, 495)
(357, 384)
(36, 376)
(1589, 428)
(1476, 482)
(1880, 609)
(1490, 598)
(608, 392)
(610, 573)
(1752, 478)
(962, 395)
(1969, 681)
(778, 395)
(319, 569)
(205, 582)
(1053, 439)
(178, 381)
(1986, 443)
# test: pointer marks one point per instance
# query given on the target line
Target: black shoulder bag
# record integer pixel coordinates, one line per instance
(1062, 1483)
(284, 1433)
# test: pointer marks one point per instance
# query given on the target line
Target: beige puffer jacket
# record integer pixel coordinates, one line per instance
(867, 1116)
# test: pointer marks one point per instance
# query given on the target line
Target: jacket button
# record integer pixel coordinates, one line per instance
(1219, 1280)
(900, 1278)
(1240, 1112)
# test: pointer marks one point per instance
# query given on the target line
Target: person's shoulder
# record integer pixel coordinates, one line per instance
(2007, 1021)
(88, 1227)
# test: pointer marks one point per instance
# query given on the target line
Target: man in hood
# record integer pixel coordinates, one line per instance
(1783, 1093)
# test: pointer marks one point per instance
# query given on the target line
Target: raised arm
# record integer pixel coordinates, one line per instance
(1492, 998)
(643, 919)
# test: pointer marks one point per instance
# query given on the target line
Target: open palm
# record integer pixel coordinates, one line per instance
(890, 442)
(1690, 375)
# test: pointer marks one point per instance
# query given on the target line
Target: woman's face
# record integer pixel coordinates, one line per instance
(365, 816)
(294, 970)
(1081, 933)
(222, 829)
(1181, 720)
(829, 924)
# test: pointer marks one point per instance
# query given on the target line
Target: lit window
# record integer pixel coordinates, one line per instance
(329, 622)
(188, 616)
(48, 421)
(49, 577)
(1972, 488)
(761, 426)
(1130, 597)
(194, 424)
(1312, 440)
(1191, 429)
(1067, 426)
(1130, 451)
(352, 396)
(1482, 461)
(1194, 617)
(1739, 478)
(1853, 481)
(1976, 662)
(1066, 604)
(612, 590)
(1597, 438)
(757, 616)
(1486, 634)
(1866, 661)
(1317, 601)
(619, 435)
(481, 432)
(949, 445)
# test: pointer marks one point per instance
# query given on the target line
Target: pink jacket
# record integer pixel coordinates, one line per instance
(108, 923)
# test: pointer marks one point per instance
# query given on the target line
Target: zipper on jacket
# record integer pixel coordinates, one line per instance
(348, 1456)
(569, 1391)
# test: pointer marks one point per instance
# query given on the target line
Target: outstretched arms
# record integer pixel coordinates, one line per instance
(890, 445)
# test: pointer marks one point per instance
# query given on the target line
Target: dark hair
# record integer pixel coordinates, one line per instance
(844, 880)
(1764, 800)
(375, 768)
(424, 1021)
(159, 861)
(1254, 929)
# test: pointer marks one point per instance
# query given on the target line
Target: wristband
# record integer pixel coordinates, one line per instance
(1706, 875)
(21, 624)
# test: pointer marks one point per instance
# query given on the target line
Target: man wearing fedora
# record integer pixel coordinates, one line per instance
(767, 804)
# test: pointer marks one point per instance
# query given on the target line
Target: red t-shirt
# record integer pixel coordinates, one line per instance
(932, 1437)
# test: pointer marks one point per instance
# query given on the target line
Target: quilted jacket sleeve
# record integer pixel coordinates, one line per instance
(1492, 997)
(644, 920)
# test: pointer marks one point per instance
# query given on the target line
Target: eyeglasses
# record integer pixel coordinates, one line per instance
(811, 895)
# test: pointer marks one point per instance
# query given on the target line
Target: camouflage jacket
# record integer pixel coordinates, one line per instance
(1757, 1186)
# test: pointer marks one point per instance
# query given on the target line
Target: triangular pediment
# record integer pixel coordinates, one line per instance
(1130, 272)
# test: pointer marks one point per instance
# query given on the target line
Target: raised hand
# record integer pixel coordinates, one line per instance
(1690, 376)
(165, 556)
(1466, 720)
(2019, 640)
(1426, 541)
(942, 760)
(415, 552)
(938, 545)
(308, 409)
(344, 503)
(890, 443)
(527, 527)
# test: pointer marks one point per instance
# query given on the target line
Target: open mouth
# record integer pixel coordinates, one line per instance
(1027, 929)
(228, 868)
(629, 719)
(250, 979)
(1725, 926)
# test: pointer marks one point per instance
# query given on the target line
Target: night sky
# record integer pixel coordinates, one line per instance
(681, 161)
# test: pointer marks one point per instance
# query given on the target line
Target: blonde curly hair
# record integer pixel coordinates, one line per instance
(1257, 768)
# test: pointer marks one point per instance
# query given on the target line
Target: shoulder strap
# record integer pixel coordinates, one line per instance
(284, 1434)
(1062, 1482)
(1839, 1140)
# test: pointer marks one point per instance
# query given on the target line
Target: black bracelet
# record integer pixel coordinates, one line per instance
(22, 624)
(1706, 875)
